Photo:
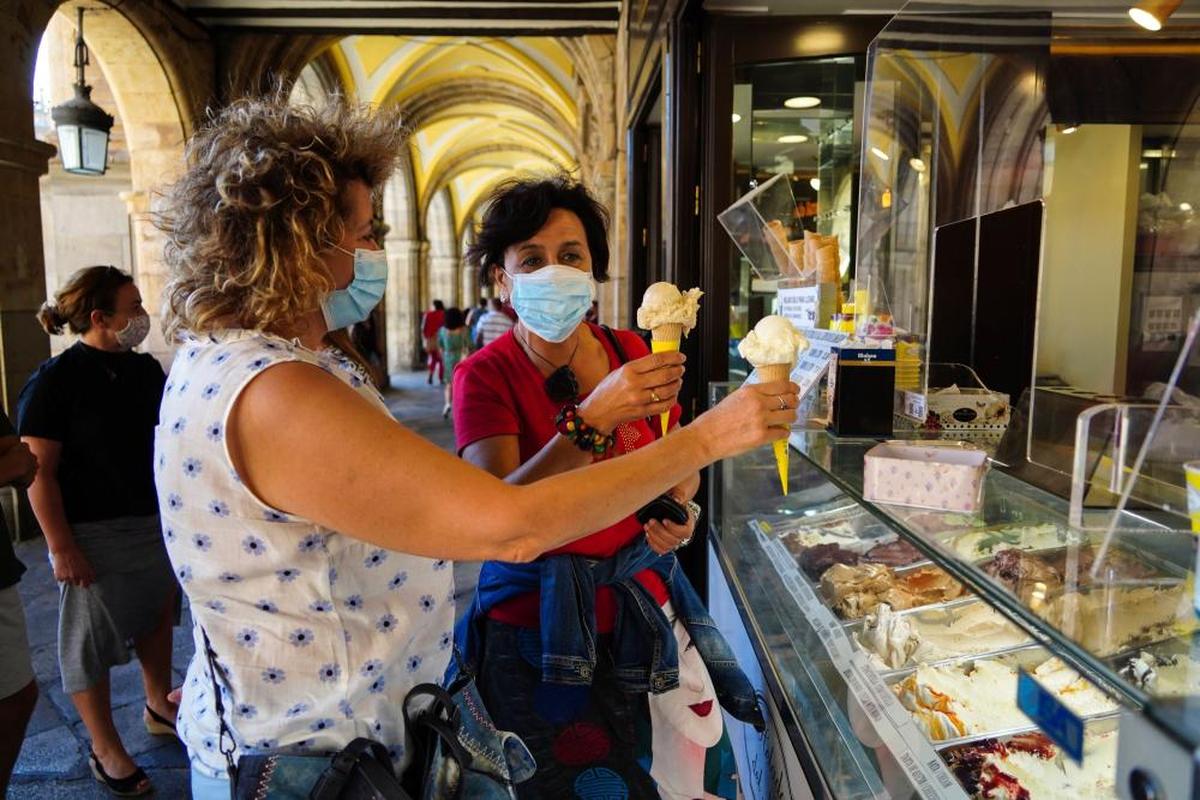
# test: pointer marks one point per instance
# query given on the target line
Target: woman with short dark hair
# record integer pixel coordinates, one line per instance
(88, 415)
(544, 244)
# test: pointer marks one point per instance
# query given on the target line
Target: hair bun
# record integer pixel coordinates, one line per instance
(51, 319)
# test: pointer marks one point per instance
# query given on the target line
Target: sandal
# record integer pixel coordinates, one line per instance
(123, 787)
(157, 724)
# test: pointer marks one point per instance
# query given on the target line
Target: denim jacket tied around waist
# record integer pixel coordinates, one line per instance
(645, 655)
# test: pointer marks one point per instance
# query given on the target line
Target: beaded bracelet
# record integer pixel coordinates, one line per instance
(582, 435)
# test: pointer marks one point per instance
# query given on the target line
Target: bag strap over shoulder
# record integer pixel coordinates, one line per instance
(616, 344)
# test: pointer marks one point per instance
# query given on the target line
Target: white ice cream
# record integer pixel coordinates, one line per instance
(774, 340)
(664, 304)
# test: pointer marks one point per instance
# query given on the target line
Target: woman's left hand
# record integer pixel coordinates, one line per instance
(665, 536)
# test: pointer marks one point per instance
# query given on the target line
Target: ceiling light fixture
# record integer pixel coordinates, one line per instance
(815, 183)
(1185, 206)
(792, 138)
(736, 118)
(880, 154)
(917, 164)
(1153, 14)
(1067, 130)
(806, 101)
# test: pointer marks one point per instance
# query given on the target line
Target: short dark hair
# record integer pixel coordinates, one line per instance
(454, 318)
(497, 304)
(439, 305)
(483, 302)
(518, 209)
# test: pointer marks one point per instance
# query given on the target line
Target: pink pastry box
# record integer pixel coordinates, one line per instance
(946, 476)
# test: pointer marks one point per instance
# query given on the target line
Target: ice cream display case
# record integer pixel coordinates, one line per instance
(1028, 170)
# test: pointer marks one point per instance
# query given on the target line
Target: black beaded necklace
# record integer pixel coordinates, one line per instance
(561, 385)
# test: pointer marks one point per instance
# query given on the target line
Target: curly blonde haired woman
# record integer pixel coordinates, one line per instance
(309, 530)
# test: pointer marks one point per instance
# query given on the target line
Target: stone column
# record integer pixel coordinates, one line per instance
(149, 271)
(444, 281)
(403, 303)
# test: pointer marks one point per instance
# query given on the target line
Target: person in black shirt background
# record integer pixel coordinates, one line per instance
(18, 689)
(89, 416)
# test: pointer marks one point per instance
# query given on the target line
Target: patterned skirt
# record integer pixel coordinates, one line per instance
(599, 742)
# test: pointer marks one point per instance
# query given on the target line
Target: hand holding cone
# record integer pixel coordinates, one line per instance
(669, 315)
(772, 347)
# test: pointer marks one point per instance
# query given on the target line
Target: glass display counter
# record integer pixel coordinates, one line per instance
(892, 639)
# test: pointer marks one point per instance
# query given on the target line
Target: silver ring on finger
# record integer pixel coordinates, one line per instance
(783, 406)
(654, 396)
(684, 542)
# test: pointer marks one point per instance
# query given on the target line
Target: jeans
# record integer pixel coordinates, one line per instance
(206, 788)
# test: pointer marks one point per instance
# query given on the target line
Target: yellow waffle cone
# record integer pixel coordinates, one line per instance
(770, 373)
(665, 339)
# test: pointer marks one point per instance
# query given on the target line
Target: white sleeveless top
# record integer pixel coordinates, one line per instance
(320, 635)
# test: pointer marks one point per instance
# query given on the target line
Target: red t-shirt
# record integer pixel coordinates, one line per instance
(431, 322)
(498, 391)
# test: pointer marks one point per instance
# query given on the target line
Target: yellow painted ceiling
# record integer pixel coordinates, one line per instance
(469, 145)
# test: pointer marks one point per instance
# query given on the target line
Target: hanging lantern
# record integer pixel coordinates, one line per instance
(82, 125)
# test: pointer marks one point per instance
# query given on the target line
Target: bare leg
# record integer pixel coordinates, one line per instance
(154, 654)
(15, 711)
(95, 708)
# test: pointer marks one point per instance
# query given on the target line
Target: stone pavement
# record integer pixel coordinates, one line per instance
(53, 759)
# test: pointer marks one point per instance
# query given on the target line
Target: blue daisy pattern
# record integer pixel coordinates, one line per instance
(413, 664)
(168, 388)
(246, 711)
(320, 606)
(218, 508)
(254, 545)
(274, 675)
(221, 358)
(183, 387)
(169, 534)
(287, 574)
(323, 724)
(174, 502)
(376, 558)
(258, 364)
(296, 710)
(378, 685)
(161, 464)
(192, 467)
(328, 673)
(229, 577)
(440, 565)
(446, 640)
(210, 391)
(427, 603)
(346, 709)
(178, 426)
(184, 573)
(267, 607)
(354, 602)
(271, 515)
(311, 543)
(202, 541)
(215, 605)
(301, 637)
(248, 638)
(398, 580)
(333, 576)
(266, 744)
(192, 353)
(385, 624)
(214, 431)
(371, 668)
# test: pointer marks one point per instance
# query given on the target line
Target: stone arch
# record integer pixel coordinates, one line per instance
(407, 294)
(138, 48)
(436, 101)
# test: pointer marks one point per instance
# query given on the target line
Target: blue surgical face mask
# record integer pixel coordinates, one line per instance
(344, 307)
(553, 300)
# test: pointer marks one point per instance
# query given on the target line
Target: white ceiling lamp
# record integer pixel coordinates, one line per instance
(917, 164)
(880, 154)
(792, 138)
(815, 183)
(1153, 14)
(1185, 206)
(736, 118)
(1067, 130)
(806, 101)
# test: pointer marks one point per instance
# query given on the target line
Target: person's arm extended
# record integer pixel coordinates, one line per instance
(335, 459)
(45, 495)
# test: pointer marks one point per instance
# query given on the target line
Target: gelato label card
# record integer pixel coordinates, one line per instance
(1057, 721)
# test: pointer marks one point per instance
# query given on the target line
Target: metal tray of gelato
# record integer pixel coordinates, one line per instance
(1162, 669)
(961, 700)
(1030, 765)
(854, 590)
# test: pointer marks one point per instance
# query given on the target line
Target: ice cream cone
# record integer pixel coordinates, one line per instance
(770, 373)
(665, 339)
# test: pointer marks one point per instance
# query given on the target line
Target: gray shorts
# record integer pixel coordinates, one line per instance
(16, 670)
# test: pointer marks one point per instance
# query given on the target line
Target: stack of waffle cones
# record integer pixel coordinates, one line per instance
(769, 373)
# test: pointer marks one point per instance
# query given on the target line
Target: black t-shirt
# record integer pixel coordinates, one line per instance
(103, 408)
(10, 566)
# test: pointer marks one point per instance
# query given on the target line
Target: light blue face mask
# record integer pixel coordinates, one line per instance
(553, 300)
(344, 307)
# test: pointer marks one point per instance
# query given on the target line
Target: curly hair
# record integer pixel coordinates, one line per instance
(261, 198)
(519, 207)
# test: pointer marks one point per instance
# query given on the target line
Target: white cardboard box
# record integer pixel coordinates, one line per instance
(944, 477)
